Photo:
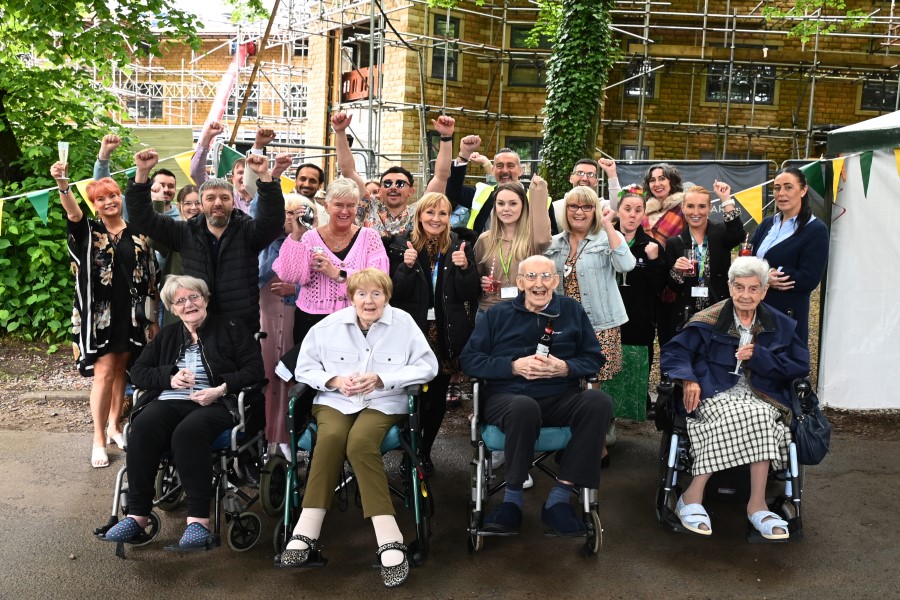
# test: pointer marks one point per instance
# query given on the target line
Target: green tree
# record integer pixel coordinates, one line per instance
(583, 54)
(809, 18)
(56, 65)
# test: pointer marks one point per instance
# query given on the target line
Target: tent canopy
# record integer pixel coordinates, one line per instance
(872, 134)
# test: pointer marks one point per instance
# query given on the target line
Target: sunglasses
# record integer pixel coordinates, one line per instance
(399, 184)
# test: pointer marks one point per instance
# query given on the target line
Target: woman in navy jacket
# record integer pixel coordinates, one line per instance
(795, 244)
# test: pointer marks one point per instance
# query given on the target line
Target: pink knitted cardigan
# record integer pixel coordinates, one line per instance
(319, 294)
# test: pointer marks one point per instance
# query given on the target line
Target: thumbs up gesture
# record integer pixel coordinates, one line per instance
(459, 257)
(410, 256)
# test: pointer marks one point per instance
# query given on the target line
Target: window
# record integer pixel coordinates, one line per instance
(234, 104)
(879, 95)
(630, 152)
(444, 28)
(633, 75)
(749, 84)
(529, 151)
(147, 102)
(527, 68)
(301, 47)
(295, 100)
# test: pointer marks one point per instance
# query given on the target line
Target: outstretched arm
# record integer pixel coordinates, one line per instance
(340, 122)
(198, 161)
(445, 126)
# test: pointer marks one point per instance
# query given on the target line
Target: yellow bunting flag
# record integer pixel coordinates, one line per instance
(897, 158)
(287, 185)
(837, 169)
(184, 162)
(752, 201)
(81, 186)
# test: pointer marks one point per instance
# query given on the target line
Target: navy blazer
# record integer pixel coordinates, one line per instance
(803, 256)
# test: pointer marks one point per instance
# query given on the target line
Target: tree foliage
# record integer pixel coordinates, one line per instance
(56, 65)
(809, 16)
(583, 54)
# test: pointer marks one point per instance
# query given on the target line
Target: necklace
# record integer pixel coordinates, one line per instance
(338, 243)
(117, 236)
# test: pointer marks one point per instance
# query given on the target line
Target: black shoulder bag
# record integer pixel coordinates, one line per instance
(810, 427)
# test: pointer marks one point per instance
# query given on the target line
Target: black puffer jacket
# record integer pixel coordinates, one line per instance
(413, 292)
(233, 278)
(229, 352)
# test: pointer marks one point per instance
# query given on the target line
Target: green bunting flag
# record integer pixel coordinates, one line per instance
(129, 173)
(226, 160)
(814, 177)
(865, 165)
(40, 201)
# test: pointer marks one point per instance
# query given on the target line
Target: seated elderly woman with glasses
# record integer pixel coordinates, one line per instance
(736, 361)
(191, 372)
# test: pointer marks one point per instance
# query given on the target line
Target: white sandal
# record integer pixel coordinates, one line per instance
(692, 516)
(765, 522)
(99, 459)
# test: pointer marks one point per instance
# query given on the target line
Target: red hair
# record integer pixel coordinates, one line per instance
(103, 187)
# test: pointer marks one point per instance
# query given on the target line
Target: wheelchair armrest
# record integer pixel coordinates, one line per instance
(414, 390)
(298, 389)
(473, 426)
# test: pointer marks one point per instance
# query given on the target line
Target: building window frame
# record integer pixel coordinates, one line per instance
(296, 101)
(527, 65)
(715, 85)
(436, 48)
(877, 96)
(147, 101)
(234, 103)
(631, 90)
(530, 151)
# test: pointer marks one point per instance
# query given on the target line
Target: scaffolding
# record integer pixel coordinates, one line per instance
(737, 37)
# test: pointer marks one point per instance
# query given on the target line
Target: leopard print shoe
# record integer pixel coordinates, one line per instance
(396, 575)
(297, 558)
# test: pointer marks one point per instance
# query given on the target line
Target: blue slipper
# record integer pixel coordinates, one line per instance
(124, 531)
(505, 520)
(195, 537)
(562, 520)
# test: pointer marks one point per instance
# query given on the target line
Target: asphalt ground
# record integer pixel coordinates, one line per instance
(51, 500)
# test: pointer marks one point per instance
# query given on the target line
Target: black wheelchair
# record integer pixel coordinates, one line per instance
(784, 489)
(232, 451)
(413, 489)
(488, 438)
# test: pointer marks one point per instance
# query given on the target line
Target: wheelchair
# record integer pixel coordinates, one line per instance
(783, 490)
(242, 443)
(488, 438)
(413, 489)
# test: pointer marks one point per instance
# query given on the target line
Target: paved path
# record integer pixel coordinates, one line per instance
(51, 500)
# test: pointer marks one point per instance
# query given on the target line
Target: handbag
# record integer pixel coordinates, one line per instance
(144, 309)
(809, 427)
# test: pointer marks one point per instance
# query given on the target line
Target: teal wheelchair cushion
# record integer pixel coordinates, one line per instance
(390, 442)
(550, 438)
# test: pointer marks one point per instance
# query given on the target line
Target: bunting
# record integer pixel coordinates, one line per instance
(839, 175)
(814, 177)
(897, 159)
(752, 201)
(287, 185)
(226, 160)
(40, 201)
(865, 166)
(81, 186)
(184, 163)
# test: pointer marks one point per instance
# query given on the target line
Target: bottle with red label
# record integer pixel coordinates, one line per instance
(747, 247)
(546, 341)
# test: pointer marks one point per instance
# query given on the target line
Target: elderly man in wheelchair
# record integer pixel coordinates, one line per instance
(360, 361)
(735, 361)
(529, 382)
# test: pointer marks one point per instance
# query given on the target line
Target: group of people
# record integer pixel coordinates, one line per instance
(375, 291)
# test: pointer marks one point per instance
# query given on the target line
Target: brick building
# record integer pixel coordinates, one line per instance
(694, 80)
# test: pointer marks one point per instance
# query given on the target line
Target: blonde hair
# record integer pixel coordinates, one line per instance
(342, 188)
(418, 237)
(522, 242)
(176, 282)
(370, 276)
(583, 195)
(295, 201)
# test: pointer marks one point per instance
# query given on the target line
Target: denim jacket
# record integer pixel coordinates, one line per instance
(596, 270)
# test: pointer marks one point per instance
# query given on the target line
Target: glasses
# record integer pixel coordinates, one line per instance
(193, 299)
(291, 213)
(585, 208)
(534, 276)
(399, 184)
(585, 174)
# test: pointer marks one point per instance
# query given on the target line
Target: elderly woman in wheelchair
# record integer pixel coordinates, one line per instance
(736, 361)
(192, 372)
(360, 361)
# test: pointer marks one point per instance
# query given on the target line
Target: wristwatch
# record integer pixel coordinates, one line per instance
(342, 276)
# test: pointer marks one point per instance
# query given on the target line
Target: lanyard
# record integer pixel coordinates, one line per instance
(701, 255)
(507, 264)
(434, 274)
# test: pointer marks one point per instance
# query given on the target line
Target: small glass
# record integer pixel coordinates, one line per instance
(63, 148)
(746, 338)
(190, 359)
(495, 283)
(689, 254)
(624, 275)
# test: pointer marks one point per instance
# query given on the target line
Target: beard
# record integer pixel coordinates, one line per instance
(217, 220)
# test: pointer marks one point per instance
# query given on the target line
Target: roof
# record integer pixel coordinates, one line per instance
(872, 134)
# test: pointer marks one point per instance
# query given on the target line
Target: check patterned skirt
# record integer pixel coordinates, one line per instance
(736, 428)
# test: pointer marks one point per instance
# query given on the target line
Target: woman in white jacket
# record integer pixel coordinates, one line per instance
(360, 360)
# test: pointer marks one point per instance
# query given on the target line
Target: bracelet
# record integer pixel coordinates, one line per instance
(64, 192)
(465, 160)
(446, 138)
(728, 202)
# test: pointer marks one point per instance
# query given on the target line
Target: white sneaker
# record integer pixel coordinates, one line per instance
(528, 483)
(498, 457)
(611, 435)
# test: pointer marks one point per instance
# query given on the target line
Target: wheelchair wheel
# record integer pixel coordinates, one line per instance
(273, 486)
(476, 541)
(596, 542)
(244, 531)
(278, 539)
(167, 480)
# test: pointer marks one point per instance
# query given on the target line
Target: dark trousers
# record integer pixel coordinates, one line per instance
(433, 407)
(586, 413)
(188, 430)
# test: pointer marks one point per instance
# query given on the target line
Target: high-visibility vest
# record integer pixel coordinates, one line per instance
(483, 191)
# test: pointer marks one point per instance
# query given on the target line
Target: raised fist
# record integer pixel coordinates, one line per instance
(340, 121)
